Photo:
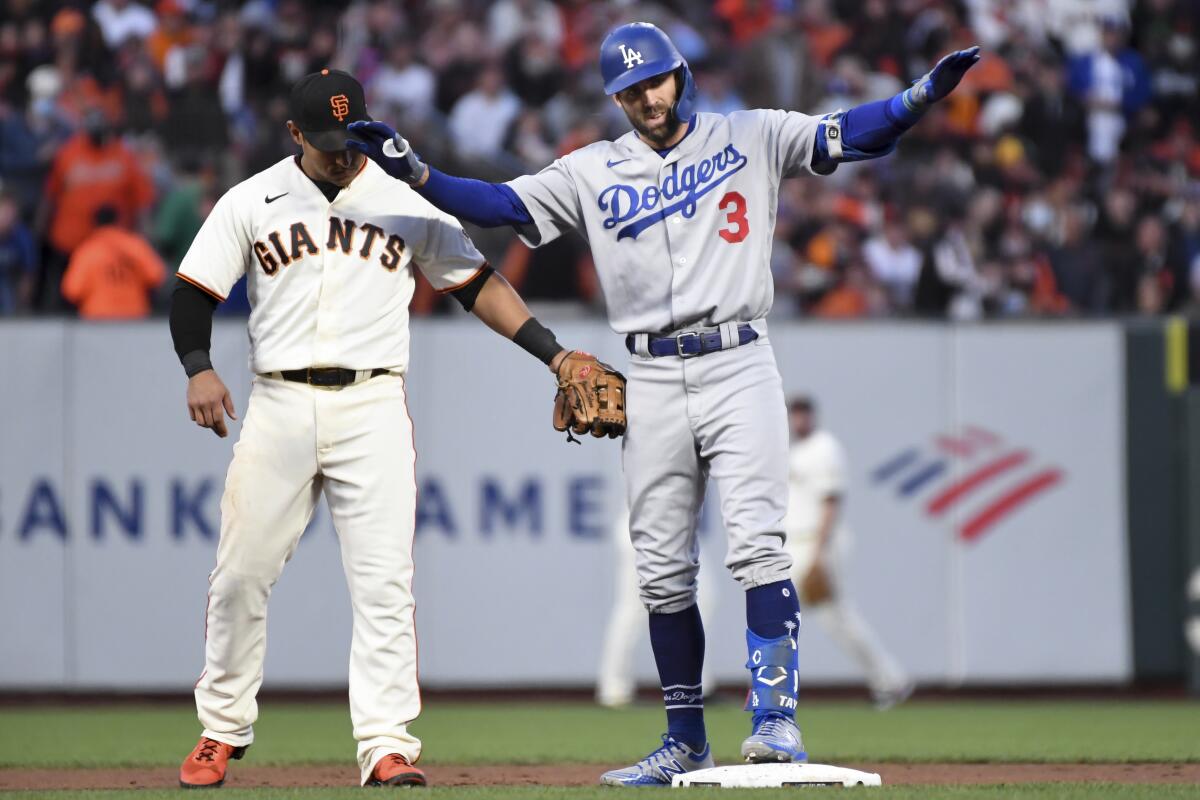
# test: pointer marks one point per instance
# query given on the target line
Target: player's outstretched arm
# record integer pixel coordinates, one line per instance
(872, 130)
(591, 394)
(488, 205)
(499, 307)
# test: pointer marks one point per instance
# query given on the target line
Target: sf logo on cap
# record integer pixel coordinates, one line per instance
(631, 56)
(340, 105)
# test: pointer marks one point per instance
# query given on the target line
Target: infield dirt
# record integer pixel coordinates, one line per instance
(450, 775)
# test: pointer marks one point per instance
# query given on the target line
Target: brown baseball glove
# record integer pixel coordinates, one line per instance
(590, 399)
(816, 587)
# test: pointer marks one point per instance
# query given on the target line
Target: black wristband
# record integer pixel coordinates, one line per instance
(196, 362)
(537, 340)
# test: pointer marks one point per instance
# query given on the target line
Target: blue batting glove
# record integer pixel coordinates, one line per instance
(941, 80)
(378, 142)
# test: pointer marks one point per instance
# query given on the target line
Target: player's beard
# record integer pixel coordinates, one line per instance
(661, 133)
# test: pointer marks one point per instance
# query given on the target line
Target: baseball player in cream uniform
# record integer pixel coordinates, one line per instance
(680, 215)
(818, 538)
(329, 248)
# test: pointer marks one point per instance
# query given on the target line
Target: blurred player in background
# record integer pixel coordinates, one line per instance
(615, 683)
(819, 539)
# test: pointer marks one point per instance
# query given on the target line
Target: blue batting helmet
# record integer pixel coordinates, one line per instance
(639, 50)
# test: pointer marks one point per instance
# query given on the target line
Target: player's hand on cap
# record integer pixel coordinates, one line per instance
(945, 75)
(208, 401)
(391, 151)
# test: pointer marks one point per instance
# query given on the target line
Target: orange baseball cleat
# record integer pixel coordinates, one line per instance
(204, 768)
(394, 770)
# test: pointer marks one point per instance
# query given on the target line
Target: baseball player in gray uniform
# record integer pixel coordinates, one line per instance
(680, 215)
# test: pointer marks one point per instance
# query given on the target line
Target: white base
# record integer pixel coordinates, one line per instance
(774, 776)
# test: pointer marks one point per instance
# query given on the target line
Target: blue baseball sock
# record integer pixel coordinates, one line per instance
(769, 609)
(772, 622)
(678, 643)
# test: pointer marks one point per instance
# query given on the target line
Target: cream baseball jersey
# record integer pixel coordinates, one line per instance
(681, 240)
(816, 471)
(329, 283)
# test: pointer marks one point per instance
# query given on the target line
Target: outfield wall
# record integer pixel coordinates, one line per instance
(109, 510)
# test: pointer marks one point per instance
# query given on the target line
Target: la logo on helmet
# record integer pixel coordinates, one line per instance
(631, 56)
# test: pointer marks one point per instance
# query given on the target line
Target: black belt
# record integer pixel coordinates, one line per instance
(327, 376)
(691, 343)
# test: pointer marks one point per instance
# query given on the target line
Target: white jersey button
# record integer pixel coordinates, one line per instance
(682, 260)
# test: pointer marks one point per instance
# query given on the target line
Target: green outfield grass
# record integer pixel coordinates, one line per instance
(522, 733)
(159, 736)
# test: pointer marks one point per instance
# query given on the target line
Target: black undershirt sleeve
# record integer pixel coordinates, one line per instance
(468, 293)
(191, 326)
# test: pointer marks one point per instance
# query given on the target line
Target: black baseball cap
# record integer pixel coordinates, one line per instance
(324, 103)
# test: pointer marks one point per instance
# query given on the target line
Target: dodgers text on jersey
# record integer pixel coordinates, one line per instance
(689, 183)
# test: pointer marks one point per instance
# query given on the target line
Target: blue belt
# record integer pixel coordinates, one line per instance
(691, 343)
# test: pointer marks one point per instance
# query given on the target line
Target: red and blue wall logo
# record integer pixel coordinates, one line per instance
(975, 472)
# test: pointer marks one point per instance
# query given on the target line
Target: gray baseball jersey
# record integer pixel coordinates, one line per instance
(679, 240)
(684, 241)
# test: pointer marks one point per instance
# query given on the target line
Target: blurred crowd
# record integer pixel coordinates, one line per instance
(1061, 178)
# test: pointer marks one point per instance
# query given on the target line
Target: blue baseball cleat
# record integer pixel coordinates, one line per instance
(657, 769)
(775, 738)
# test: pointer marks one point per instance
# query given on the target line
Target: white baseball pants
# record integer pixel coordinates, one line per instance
(354, 444)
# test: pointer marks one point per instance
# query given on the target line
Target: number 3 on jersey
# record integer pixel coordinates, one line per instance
(734, 205)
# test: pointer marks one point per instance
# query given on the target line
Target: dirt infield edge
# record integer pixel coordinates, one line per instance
(588, 774)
